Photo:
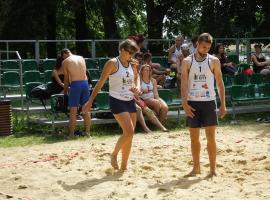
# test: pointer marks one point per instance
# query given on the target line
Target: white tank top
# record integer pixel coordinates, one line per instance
(147, 90)
(201, 80)
(121, 81)
(175, 54)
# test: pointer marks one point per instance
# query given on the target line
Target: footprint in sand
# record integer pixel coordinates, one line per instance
(148, 168)
(259, 158)
(242, 162)
(21, 187)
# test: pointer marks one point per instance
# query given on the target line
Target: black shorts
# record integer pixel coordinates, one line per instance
(119, 106)
(205, 114)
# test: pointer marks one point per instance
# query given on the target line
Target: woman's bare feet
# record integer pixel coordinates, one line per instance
(114, 162)
(211, 174)
(194, 172)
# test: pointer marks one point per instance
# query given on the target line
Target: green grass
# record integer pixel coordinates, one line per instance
(41, 135)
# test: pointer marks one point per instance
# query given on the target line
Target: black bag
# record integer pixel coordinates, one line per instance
(41, 92)
(62, 104)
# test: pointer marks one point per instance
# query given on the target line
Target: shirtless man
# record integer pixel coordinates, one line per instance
(75, 76)
(200, 71)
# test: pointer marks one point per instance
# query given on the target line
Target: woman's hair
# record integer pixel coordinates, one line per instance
(150, 71)
(58, 64)
(217, 48)
(128, 45)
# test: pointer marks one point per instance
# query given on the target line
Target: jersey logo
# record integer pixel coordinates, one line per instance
(127, 73)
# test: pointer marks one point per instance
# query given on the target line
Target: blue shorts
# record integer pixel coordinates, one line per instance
(79, 93)
(119, 106)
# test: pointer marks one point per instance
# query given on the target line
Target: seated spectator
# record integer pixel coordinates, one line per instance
(260, 64)
(141, 107)
(174, 51)
(57, 86)
(184, 53)
(227, 67)
(150, 95)
(158, 74)
(193, 47)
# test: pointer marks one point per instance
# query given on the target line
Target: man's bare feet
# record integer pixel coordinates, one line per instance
(194, 172)
(211, 174)
(114, 162)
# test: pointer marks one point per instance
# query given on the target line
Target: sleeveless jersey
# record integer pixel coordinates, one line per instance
(176, 53)
(201, 80)
(147, 90)
(121, 81)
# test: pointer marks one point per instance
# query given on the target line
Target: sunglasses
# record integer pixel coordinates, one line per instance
(129, 51)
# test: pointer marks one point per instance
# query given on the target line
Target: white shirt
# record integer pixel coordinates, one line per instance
(176, 53)
(201, 80)
(121, 81)
(147, 90)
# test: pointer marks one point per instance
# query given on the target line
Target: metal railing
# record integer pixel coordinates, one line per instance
(19, 59)
(240, 46)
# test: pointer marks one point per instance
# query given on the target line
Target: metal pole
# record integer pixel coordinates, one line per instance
(237, 47)
(37, 50)
(7, 47)
(248, 51)
(21, 78)
(93, 49)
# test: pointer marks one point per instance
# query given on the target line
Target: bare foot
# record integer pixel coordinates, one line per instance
(114, 162)
(165, 130)
(211, 175)
(147, 130)
(193, 173)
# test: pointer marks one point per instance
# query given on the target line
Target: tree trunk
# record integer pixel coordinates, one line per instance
(110, 28)
(80, 27)
(51, 29)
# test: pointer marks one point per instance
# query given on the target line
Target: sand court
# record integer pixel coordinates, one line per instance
(157, 166)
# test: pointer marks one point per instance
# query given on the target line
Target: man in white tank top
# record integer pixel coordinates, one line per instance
(199, 72)
(174, 51)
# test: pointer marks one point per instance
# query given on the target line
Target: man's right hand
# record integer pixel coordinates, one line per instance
(188, 110)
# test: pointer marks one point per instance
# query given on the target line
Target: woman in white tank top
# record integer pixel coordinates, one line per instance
(150, 93)
(122, 88)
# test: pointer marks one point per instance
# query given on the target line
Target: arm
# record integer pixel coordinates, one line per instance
(220, 85)
(184, 87)
(155, 90)
(109, 68)
(255, 60)
(170, 52)
(66, 78)
(56, 77)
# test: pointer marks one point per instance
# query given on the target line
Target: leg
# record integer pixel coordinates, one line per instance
(72, 121)
(163, 110)
(87, 122)
(141, 120)
(153, 104)
(127, 147)
(126, 123)
(153, 119)
(195, 149)
(211, 148)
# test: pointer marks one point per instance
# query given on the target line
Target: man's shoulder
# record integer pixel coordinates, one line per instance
(213, 58)
(188, 59)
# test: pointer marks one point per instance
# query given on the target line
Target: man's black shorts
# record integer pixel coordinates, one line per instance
(205, 114)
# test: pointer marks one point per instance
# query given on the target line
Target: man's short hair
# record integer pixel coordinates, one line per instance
(147, 56)
(205, 37)
(259, 45)
(129, 45)
(65, 51)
